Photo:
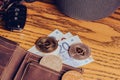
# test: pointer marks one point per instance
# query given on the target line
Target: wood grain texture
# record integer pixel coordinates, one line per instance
(103, 37)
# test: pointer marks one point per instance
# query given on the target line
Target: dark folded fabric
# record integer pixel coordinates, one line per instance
(48, 1)
(88, 9)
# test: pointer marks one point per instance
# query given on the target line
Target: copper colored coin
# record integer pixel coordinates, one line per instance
(79, 51)
(46, 44)
(72, 75)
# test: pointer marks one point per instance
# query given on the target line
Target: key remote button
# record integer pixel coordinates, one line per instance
(15, 17)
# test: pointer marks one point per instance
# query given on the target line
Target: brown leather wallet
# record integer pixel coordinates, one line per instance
(11, 56)
(18, 64)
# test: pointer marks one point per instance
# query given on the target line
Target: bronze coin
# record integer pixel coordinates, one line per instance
(46, 44)
(79, 51)
(72, 75)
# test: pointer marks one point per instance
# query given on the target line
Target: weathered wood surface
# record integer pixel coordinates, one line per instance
(103, 36)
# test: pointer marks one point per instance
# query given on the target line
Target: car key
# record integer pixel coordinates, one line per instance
(15, 16)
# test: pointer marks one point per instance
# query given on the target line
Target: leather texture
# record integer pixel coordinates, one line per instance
(34, 71)
(11, 56)
(31, 62)
(18, 64)
(88, 9)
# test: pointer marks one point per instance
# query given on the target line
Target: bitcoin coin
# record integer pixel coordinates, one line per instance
(52, 61)
(72, 75)
(79, 51)
(46, 44)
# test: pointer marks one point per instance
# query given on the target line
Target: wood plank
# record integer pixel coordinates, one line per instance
(103, 37)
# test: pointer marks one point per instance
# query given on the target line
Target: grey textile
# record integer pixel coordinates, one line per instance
(88, 9)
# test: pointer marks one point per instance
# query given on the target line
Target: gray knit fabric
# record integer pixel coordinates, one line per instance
(88, 9)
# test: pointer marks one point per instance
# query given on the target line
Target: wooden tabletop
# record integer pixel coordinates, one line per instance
(102, 36)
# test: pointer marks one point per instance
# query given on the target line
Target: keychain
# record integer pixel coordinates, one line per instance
(13, 14)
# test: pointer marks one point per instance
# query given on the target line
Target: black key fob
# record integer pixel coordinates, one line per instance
(15, 17)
